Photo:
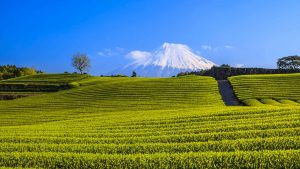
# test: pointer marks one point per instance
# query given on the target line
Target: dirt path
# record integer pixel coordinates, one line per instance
(227, 93)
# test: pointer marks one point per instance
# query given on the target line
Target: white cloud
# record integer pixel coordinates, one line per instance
(111, 52)
(138, 55)
(207, 47)
(100, 53)
(119, 49)
(210, 48)
(216, 48)
(239, 65)
(228, 47)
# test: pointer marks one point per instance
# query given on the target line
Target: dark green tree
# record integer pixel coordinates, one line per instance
(133, 74)
(225, 66)
(12, 71)
(289, 62)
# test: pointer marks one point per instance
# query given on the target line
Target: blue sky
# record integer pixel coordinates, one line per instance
(46, 33)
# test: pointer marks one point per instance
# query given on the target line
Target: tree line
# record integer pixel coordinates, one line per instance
(12, 71)
(289, 64)
(81, 62)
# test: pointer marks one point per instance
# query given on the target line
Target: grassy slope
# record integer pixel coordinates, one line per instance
(46, 79)
(145, 123)
(114, 94)
(37, 84)
(277, 87)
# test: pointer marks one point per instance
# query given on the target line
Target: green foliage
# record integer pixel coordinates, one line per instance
(48, 78)
(289, 62)
(270, 102)
(276, 87)
(133, 74)
(40, 83)
(73, 84)
(11, 71)
(252, 102)
(225, 66)
(28, 71)
(198, 73)
(289, 102)
(122, 122)
(223, 72)
(118, 75)
(264, 159)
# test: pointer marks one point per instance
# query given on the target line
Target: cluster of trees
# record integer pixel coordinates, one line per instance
(289, 64)
(12, 71)
(134, 74)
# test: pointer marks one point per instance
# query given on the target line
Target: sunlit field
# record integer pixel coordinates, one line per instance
(120, 122)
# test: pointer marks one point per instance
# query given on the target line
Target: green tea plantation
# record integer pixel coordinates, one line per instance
(275, 89)
(122, 122)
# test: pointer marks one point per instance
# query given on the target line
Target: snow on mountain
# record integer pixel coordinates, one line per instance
(169, 60)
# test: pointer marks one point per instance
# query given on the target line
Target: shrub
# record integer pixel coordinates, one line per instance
(73, 84)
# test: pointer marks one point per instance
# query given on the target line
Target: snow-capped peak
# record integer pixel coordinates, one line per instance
(177, 56)
(169, 60)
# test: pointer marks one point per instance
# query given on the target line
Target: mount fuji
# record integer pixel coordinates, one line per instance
(169, 60)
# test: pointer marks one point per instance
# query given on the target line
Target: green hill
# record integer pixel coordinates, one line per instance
(46, 79)
(269, 89)
(120, 122)
(37, 84)
(120, 94)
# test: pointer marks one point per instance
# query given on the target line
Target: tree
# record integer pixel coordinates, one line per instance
(133, 74)
(225, 66)
(12, 71)
(80, 62)
(28, 71)
(289, 62)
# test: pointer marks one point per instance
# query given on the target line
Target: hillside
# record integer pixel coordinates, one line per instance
(117, 94)
(36, 84)
(122, 122)
(268, 89)
(46, 79)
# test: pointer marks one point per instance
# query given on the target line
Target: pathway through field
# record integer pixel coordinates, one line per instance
(227, 93)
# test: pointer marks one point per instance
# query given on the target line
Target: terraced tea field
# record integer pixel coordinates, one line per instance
(37, 84)
(275, 89)
(146, 123)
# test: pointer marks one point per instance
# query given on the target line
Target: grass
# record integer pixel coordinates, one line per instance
(124, 122)
(275, 87)
(46, 79)
(118, 94)
(40, 83)
(288, 102)
(253, 102)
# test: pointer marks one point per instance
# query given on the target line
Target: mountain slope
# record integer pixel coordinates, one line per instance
(169, 60)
